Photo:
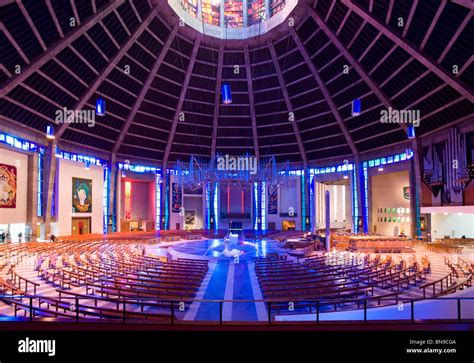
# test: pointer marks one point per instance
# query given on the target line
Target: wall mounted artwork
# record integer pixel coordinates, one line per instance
(176, 198)
(8, 186)
(81, 195)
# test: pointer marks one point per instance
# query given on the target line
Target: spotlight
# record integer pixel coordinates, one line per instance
(50, 132)
(346, 177)
(226, 94)
(100, 107)
(380, 169)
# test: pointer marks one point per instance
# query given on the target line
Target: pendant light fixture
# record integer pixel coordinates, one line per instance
(226, 94)
(356, 107)
(100, 106)
(226, 91)
(100, 102)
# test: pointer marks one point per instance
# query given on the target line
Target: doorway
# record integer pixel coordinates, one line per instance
(81, 225)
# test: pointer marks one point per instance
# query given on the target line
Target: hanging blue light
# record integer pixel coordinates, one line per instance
(88, 165)
(50, 132)
(411, 131)
(226, 94)
(356, 107)
(100, 107)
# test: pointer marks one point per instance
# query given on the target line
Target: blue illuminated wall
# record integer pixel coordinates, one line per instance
(364, 181)
(39, 207)
(158, 202)
(207, 197)
(312, 201)
(303, 201)
(263, 207)
(216, 205)
(355, 202)
(106, 199)
(255, 213)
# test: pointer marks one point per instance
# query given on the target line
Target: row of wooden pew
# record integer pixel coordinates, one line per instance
(100, 279)
(332, 285)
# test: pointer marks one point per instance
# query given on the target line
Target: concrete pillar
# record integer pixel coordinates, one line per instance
(358, 183)
(50, 164)
(32, 195)
(328, 220)
(163, 196)
(111, 187)
(415, 190)
(305, 185)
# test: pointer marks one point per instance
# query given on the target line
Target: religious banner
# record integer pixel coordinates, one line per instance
(8, 186)
(406, 192)
(128, 200)
(272, 199)
(81, 195)
(176, 198)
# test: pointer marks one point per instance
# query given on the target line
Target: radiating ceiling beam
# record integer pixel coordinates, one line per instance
(74, 10)
(325, 92)
(389, 12)
(410, 18)
(378, 92)
(466, 3)
(55, 18)
(343, 22)
(137, 14)
(330, 10)
(53, 51)
(289, 106)
(31, 24)
(16, 46)
(144, 90)
(248, 72)
(464, 67)
(415, 53)
(455, 37)
(433, 23)
(215, 120)
(110, 66)
(182, 96)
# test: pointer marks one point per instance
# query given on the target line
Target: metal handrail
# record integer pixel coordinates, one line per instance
(268, 303)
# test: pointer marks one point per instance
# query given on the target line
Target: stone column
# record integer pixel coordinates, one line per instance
(32, 195)
(415, 190)
(163, 196)
(112, 193)
(50, 164)
(359, 190)
(328, 220)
